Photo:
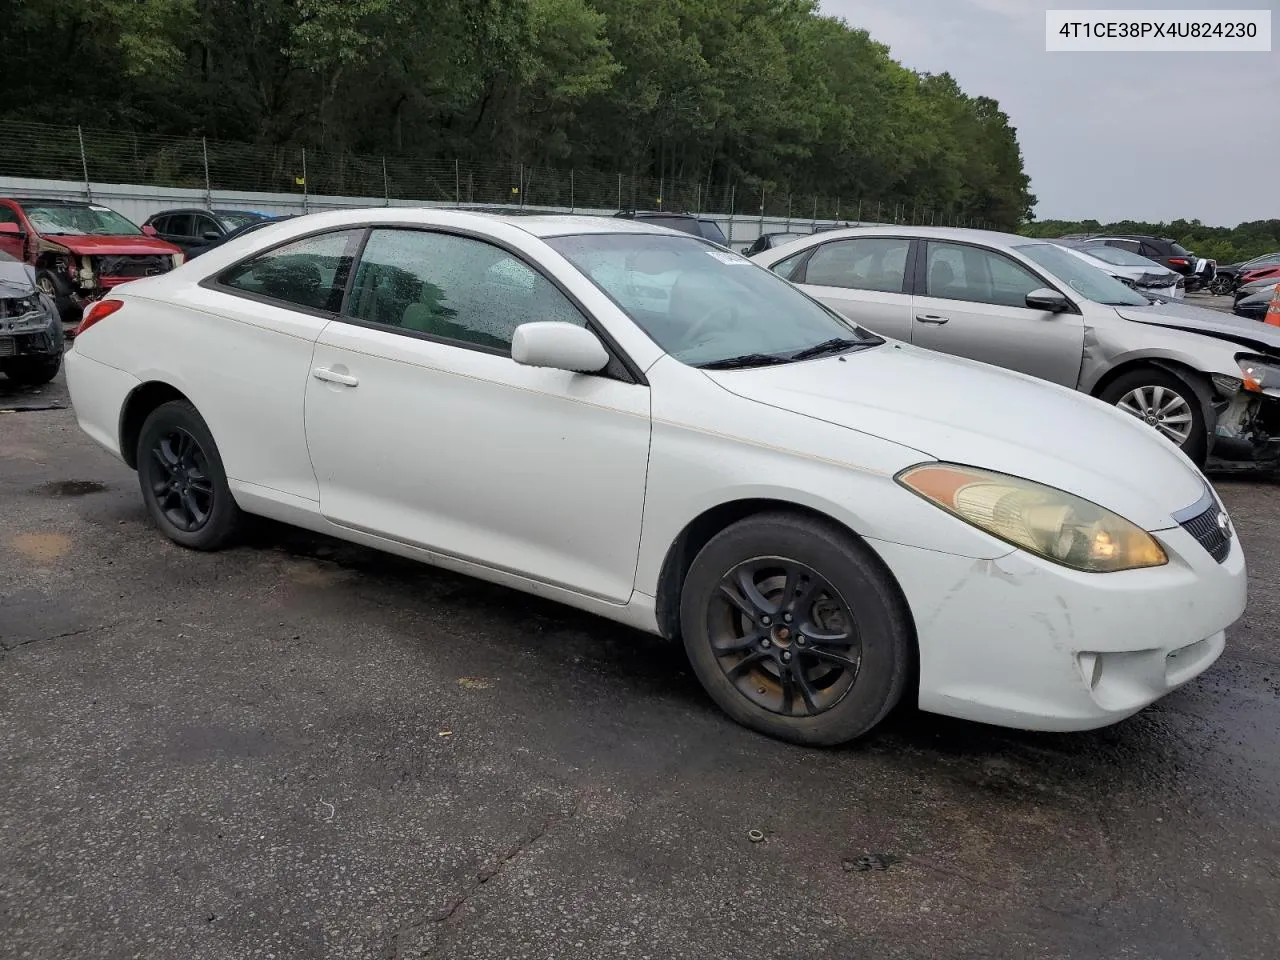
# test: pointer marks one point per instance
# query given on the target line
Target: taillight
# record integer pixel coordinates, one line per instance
(97, 311)
(1179, 262)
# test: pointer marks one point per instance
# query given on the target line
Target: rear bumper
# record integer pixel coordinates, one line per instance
(1020, 642)
(98, 395)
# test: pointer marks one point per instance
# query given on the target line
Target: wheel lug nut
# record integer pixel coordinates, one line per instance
(786, 657)
(765, 643)
(766, 620)
(801, 641)
(786, 618)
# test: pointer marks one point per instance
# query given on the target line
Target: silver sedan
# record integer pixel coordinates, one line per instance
(1207, 381)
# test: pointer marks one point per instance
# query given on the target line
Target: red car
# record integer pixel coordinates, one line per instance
(80, 250)
(1262, 273)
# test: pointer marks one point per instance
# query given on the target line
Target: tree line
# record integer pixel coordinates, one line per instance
(1224, 244)
(761, 94)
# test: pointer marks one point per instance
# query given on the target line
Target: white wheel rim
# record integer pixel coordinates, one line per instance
(1162, 409)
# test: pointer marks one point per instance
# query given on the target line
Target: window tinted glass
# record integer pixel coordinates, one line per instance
(702, 304)
(1117, 255)
(179, 224)
(1179, 250)
(866, 263)
(204, 225)
(982, 276)
(452, 287)
(711, 230)
(8, 215)
(1133, 246)
(1088, 281)
(311, 272)
(786, 267)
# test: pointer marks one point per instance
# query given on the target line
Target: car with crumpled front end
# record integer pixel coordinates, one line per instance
(31, 338)
(1141, 274)
(80, 249)
(1207, 381)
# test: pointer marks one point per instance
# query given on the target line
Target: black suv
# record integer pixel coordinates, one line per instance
(195, 230)
(684, 222)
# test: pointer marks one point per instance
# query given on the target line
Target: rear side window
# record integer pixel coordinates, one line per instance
(311, 272)
(1131, 245)
(711, 230)
(1179, 250)
(786, 268)
(863, 263)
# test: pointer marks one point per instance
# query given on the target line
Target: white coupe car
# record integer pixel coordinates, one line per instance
(652, 428)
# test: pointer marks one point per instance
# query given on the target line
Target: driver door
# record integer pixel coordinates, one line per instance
(422, 429)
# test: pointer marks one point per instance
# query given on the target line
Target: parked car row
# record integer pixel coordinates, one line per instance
(1198, 271)
(800, 472)
(1234, 274)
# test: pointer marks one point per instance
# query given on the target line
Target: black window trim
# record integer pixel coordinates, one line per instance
(622, 367)
(920, 286)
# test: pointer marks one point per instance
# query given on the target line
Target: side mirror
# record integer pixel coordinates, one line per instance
(211, 235)
(561, 346)
(12, 229)
(149, 230)
(1046, 299)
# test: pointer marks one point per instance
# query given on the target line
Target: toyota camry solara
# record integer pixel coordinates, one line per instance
(652, 428)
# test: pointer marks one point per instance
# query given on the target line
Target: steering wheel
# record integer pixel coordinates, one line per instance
(719, 316)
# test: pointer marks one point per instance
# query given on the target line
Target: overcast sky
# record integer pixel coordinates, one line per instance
(1114, 136)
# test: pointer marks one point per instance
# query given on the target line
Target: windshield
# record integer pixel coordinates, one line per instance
(707, 306)
(231, 221)
(1089, 281)
(1117, 255)
(87, 219)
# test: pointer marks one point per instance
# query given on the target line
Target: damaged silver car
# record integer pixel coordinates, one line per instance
(31, 338)
(1208, 381)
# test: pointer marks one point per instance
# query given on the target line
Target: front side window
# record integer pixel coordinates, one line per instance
(452, 287)
(179, 225)
(1085, 279)
(311, 272)
(1133, 246)
(80, 219)
(863, 263)
(204, 225)
(706, 306)
(956, 272)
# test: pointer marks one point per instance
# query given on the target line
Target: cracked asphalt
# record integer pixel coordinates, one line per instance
(299, 748)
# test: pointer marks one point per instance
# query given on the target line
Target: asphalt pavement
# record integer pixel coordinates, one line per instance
(303, 749)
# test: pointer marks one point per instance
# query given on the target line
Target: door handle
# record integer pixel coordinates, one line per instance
(931, 318)
(332, 376)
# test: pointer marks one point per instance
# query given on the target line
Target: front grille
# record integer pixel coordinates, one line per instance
(127, 265)
(1210, 535)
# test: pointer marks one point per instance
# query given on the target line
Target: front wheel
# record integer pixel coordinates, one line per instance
(31, 371)
(182, 479)
(795, 630)
(1165, 403)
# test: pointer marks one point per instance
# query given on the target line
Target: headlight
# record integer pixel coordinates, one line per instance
(1259, 373)
(1048, 522)
(178, 258)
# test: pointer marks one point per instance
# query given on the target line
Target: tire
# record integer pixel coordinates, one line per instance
(830, 701)
(57, 289)
(189, 499)
(1127, 392)
(31, 371)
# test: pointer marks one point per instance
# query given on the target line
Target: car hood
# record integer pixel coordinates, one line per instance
(90, 245)
(962, 411)
(15, 281)
(1223, 326)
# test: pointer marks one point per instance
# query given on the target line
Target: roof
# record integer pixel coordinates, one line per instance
(50, 202)
(936, 233)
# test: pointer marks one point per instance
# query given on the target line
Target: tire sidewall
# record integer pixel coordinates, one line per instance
(869, 596)
(1196, 446)
(225, 514)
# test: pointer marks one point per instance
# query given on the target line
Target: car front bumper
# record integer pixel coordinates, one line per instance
(1021, 642)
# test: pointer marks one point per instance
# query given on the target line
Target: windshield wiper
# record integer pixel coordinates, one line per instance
(834, 345)
(745, 360)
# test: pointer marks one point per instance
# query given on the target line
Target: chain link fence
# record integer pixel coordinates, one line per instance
(90, 156)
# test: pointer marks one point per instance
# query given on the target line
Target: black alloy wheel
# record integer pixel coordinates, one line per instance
(182, 479)
(784, 637)
(796, 628)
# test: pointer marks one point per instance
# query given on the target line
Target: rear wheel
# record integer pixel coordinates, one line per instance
(795, 630)
(182, 479)
(31, 371)
(1164, 402)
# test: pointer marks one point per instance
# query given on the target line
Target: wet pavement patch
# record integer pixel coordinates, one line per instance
(69, 488)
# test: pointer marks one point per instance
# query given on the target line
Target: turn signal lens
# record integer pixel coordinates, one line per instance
(1048, 522)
